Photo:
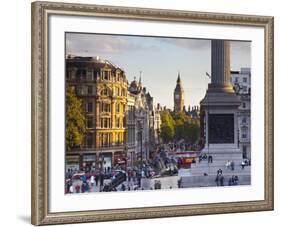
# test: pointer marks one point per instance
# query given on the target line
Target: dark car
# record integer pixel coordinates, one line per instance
(120, 177)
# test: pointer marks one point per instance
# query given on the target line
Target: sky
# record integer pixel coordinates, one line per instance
(159, 60)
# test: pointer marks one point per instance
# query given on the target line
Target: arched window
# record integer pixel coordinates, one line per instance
(105, 92)
(123, 93)
(81, 74)
(105, 107)
(244, 132)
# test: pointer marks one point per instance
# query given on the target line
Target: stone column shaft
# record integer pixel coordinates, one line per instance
(220, 63)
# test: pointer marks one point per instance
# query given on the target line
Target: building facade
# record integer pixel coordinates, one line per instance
(157, 123)
(131, 130)
(241, 80)
(103, 88)
(179, 96)
(141, 117)
(193, 112)
(144, 127)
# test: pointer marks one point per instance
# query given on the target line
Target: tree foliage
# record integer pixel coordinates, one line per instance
(167, 126)
(192, 131)
(75, 120)
(179, 126)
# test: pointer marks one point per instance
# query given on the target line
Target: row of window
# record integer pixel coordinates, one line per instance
(91, 74)
(106, 107)
(117, 92)
(104, 140)
(106, 122)
(131, 113)
(109, 75)
(91, 90)
(131, 135)
(236, 79)
(85, 90)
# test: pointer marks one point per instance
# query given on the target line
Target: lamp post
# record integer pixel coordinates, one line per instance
(207, 125)
(126, 156)
(140, 127)
(100, 155)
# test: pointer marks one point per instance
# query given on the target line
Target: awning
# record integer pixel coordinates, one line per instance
(72, 159)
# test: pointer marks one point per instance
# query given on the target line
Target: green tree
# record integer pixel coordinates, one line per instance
(167, 126)
(180, 119)
(75, 120)
(179, 126)
(179, 129)
(192, 131)
(179, 116)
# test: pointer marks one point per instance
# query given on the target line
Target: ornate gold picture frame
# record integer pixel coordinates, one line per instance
(41, 13)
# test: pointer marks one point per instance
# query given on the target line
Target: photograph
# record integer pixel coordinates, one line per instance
(142, 113)
(156, 113)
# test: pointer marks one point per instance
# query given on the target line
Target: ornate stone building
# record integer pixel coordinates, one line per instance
(179, 96)
(157, 123)
(193, 111)
(131, 130)
(143, 123)
(241, 80)
(103, 89)
(141, 115)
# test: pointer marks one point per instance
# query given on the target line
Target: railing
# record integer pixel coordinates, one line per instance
(99, 149)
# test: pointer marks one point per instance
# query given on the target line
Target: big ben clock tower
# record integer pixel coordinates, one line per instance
(178, 96)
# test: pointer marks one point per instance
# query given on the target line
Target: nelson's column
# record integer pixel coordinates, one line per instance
(220, 108)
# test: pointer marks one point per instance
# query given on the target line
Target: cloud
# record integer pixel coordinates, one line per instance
(188, 43)
(81, 43)
(78, 43)
(241, 46)
(244, 46)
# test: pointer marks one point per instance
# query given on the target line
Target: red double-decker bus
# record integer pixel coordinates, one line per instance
(185, 158)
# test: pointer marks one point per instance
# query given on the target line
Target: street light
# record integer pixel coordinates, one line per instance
(140, 127)
(100, 155)
(126, 155)
(207, 124)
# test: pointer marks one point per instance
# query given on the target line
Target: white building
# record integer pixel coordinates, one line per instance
(130, 130)
(143, 123)
(157, 123)
(140, 126)
(241, 80)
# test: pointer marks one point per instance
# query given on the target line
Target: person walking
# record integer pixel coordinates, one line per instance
(68, 186)
(232, 165)
(217, 179)
(71, 189)
(139, 178)
(83, 187)
(101, 179)
(221, 180)
(227, 165)
(129, 175)
(210, 159)
(92, 180)
(243, 164)
(134, 175)
(123, 187)
(219, 171)
(77, 188)
(142, 173)
(97, 179)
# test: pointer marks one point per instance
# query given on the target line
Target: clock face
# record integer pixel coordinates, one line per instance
(177, 96)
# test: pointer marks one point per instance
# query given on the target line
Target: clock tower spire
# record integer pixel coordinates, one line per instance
(178, 96)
